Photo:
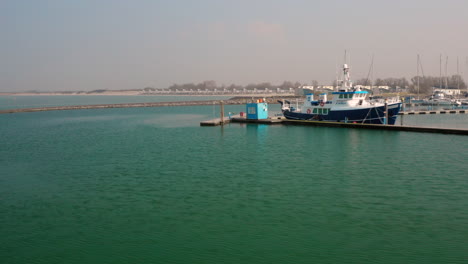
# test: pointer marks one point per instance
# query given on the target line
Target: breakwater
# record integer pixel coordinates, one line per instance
(231, 101)
(127, 105)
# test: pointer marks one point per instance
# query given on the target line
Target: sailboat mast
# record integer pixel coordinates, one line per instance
(440, 72)
(458, 76)
(372, 75)
(417, 73)
(446, 76)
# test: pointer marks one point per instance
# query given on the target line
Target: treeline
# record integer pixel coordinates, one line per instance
(391, 82)
(426, 83)
(211, 85)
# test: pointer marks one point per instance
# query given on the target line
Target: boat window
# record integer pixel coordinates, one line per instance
(341, 95)
(321, 111)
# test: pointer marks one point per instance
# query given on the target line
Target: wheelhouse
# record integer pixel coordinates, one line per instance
(350, 95)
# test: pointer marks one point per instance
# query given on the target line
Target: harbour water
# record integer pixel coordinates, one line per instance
(149, 185)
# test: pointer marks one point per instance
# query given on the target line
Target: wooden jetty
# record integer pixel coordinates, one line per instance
(239, 119)
(432, 112)
(215, 122)
(279, 120)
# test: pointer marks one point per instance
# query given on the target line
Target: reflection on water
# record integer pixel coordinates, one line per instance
(458, 121)
(94, 118)
(173, 120)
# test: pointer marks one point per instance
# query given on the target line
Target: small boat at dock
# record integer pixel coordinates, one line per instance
(349, 104)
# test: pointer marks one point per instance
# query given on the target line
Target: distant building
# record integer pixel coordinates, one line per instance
(452, 91)
(384, 87)
(328, 87)
(363, 87)
(309, 87)
(306, 89)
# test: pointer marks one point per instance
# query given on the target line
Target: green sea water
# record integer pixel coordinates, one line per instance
(149, 185)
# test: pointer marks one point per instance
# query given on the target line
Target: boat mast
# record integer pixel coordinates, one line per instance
(458, 76)
(372, 75)
(446, 76)
(346, 81)
(417, 74)
(440, 74)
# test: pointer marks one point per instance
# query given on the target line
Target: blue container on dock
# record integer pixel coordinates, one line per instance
(257, 110)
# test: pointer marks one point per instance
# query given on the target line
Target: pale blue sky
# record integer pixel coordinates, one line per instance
(114, 44)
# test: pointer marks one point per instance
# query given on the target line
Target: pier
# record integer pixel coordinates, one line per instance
(283, 121)
(432, 112)
(238, 119)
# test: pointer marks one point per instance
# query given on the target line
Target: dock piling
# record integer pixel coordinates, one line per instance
(386, 113)
(221, 105)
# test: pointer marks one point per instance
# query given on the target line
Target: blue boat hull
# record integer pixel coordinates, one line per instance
(373, 115)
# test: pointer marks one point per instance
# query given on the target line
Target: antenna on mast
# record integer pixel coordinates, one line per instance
(349, 59)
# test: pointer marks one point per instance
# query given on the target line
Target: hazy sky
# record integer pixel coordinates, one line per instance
(113, 44)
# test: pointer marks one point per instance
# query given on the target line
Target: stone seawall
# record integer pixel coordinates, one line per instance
(232, 101)
(128, 105)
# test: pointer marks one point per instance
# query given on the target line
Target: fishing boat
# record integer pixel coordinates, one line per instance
(349, 104)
